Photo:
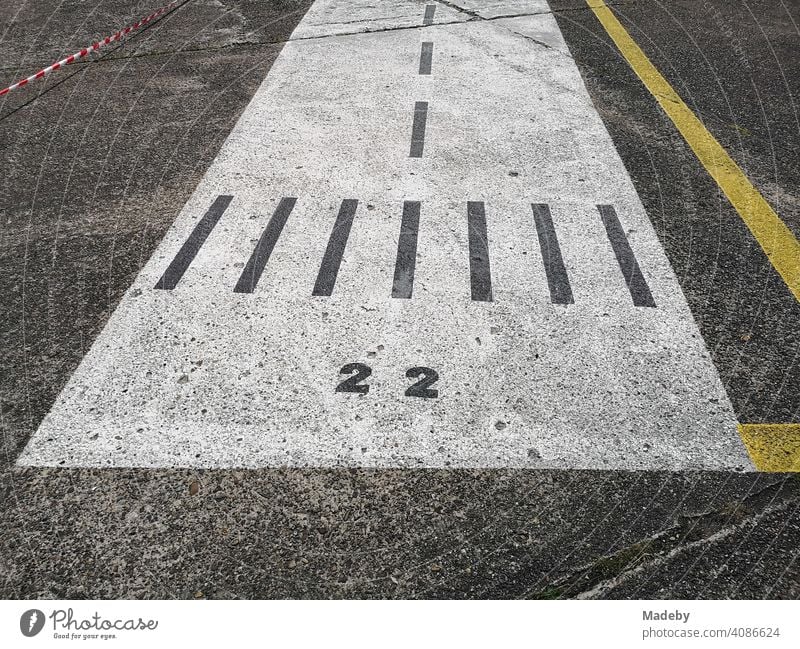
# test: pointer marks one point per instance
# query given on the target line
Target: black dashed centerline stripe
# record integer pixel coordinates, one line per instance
(326, 279)
(637, 285)
(266, 243)
(405, 265)
(174, 272)
(426, 58)
(480, 275)
(557, 278)
(418, 129)
(429, 11)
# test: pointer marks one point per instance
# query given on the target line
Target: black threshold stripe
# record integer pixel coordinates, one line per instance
(426, 58)
(418, 129)
(480, 274)
(637, 285)
(557, 278)
(192, 245)
(429, 11)
(266, 243)
(406, 262)
(326, 279)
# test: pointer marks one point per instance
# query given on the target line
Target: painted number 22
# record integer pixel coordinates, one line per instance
(359, 372)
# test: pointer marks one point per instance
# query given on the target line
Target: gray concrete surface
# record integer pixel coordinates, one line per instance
(72, 244)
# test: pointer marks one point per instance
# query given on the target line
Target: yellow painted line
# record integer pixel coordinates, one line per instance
(773, 447)
(777, 241)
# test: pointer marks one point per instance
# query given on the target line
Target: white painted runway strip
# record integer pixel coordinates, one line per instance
(550, 365)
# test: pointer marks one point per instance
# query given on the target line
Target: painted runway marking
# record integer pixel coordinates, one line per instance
(203, 376)
(418, 129)
(480, 274)
(636, 282)
(172, 275)
(557, 279)
(328, 271)
(258, 260)
(478, 252)
(403, 284)
(429, 11)
(774, 448)
(426, 58)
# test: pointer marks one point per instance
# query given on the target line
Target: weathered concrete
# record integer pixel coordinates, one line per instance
(380, 533)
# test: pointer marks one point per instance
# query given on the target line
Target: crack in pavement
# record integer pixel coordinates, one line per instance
(361, 20)
(213, 48)
(688, 532)
(601, 588)
(245, 44)
(460, 9)
(474, 15)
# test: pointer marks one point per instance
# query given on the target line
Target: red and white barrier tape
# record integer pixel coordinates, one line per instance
(92, 48)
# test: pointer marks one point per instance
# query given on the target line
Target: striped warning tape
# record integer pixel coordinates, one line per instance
(92, 48)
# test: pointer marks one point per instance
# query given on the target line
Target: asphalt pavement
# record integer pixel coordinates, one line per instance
(108, 166)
